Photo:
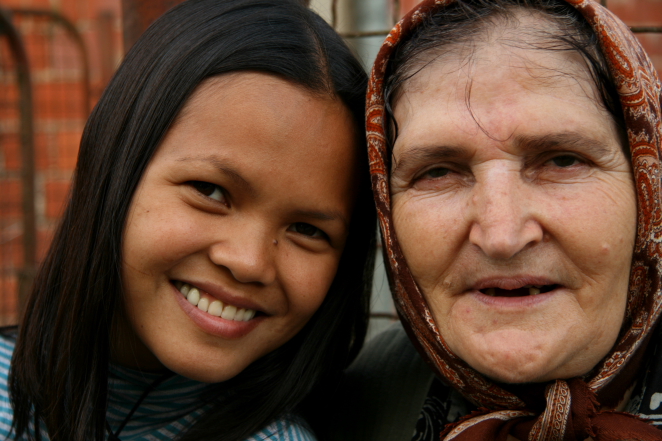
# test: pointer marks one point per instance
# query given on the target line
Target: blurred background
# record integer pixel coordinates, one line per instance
(56, 56)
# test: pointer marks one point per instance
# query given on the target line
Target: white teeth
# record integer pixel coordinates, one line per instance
(215, 308)
(193, 296)
(534, 291)
(203, 304)
(229, 312)
(490, 292)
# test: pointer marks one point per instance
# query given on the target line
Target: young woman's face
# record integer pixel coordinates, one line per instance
(236, 229)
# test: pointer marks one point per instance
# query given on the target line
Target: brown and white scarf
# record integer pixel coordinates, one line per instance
(572, 406)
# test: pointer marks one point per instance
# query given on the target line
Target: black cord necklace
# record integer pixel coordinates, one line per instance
(116, 436)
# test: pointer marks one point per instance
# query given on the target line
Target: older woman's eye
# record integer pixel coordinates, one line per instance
(565, 161)
(307, 230)
(210, 190)
(438, 172)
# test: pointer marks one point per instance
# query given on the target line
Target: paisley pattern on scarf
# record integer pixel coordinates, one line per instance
(444, 406)
(573, 405)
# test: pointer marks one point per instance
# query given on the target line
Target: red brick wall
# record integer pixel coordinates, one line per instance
(632, 12)
(60, 112)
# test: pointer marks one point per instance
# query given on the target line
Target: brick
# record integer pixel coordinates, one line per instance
(68, 143)
(41, 3)
(8, 298)
(60, 100)
(11, 250)
(56, 195)
(44, 239)
(10, 198)
(407, 5)
(76, 10)
(652, 43)
(109, 5)
(657, 62)
(37, 49)
(11, 151)
(10, 98)
(65, 54)
(9, 106)
(42, 156)
(637, 12)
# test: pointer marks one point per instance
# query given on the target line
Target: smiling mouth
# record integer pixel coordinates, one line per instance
(528, 290)
(204, 302)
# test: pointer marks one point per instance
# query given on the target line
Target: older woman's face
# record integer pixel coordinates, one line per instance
(515, 210)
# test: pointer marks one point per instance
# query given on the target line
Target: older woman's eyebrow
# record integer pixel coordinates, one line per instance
(425, 154)
(561, 141)
(224, 168)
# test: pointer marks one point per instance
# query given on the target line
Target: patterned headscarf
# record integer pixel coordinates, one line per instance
(572, 406)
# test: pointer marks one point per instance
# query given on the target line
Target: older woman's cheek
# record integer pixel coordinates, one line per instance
(422, 227)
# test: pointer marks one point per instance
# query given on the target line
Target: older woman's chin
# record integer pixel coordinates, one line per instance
(518, 357)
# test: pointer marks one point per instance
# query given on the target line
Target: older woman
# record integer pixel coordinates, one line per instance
(514, 152)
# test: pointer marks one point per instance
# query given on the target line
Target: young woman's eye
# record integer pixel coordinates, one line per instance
(210, 190)
(307, 230)
(564, 161)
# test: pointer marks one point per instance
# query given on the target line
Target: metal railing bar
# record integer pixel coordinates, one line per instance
(26, 274)
(71, 29)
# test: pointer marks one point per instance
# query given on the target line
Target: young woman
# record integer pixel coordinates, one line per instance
(213, 264)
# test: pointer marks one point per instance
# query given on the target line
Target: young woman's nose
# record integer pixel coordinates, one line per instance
(248, 254)
(503, 215)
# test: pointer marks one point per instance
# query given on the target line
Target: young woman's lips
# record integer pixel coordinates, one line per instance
(211, 324)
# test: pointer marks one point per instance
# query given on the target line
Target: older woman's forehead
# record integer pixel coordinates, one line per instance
(545, 67)
(496, 77)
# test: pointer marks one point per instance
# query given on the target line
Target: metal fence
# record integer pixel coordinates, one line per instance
(44, 101)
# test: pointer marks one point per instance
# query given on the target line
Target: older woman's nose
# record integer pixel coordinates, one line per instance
(503, 220)
(248, 254)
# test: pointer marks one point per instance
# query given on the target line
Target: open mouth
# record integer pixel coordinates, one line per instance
(213, 306)
(528, 290)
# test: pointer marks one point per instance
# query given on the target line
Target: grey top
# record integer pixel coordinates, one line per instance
(366, 403)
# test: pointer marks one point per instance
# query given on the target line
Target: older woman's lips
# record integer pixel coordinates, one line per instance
(525, 297)
(532, 290)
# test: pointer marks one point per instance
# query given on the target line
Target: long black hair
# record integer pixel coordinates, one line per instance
(59, 370)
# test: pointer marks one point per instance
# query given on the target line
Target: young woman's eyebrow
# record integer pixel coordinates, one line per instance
(425, 154)
(224, 168)
(323, 215)
(561, 141)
